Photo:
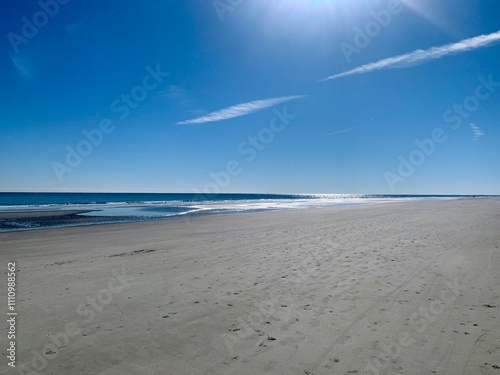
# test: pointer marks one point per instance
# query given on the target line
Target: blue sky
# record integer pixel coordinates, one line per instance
(208, 77)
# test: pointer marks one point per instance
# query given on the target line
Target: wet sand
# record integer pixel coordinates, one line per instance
(39, 214)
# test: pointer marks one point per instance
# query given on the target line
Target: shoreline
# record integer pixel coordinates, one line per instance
(6, 215)
(62, 218)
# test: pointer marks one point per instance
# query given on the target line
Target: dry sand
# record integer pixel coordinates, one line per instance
(395, 288)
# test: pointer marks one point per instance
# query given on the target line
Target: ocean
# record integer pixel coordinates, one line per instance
(104, 208)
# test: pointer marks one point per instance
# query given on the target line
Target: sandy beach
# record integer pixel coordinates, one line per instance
(393, 288)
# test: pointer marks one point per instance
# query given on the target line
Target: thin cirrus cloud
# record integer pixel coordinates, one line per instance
(239, 110)
(421, 56)
(346, 130)
(477, 131)
(22, 66)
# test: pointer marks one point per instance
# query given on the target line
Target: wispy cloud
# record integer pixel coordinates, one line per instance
(73, 29)
(345, 130)
(422, 56)
(239, 110)
(22, 66)
(477, 131)
(176, 93)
